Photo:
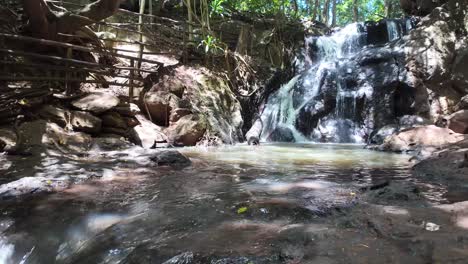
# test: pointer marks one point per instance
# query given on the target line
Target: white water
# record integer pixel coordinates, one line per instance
(285, 105)
(6, 251)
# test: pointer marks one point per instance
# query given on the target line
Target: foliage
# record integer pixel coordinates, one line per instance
(367, 9)
(211, 45)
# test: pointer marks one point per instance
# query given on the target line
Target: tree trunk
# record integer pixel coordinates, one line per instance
(388, 8)
(315, 9)
(333, 24)
(326, 11)
(355, 11)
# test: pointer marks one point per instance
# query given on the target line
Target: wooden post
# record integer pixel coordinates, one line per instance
(140, 28)
(130, 82)
(67, 84)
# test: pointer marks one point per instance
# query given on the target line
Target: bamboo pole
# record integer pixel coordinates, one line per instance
(57, 79)
(75, 47)
(130, 87)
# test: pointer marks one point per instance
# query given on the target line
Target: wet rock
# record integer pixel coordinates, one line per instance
(253, 135)
(282, 134)
(458, 122)
(184, 258)
(409, 121)
(146, 133)
(96, 102)
(113, 119)
(394, 193)
(383, 133)
(81, 121)
(178, 113)
(415, 138)
(187, 131)
(142, 254)
(171, 158)
(111, 143)
(450, 163)
(32, 185)
(160, 105)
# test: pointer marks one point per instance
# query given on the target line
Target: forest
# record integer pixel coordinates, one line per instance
(233, 131)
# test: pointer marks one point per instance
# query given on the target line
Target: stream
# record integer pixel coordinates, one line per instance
(275, 203)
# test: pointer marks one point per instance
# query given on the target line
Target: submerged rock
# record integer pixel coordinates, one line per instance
(32, 185)
(96, 102)
(171, 158)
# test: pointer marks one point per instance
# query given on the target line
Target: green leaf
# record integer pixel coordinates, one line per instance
(242, 210)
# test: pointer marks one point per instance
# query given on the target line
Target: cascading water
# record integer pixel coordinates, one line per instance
(326, 102)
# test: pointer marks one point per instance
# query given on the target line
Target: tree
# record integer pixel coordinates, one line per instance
(326, 11)
(47, 20)
(355, 11)
(334, 13)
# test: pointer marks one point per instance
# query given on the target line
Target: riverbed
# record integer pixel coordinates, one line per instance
(275, 203)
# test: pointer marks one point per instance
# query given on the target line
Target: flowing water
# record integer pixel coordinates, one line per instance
(236, 203)
(329, 100)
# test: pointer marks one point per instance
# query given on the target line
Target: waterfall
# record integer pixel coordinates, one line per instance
(325, 102)
(6, 251)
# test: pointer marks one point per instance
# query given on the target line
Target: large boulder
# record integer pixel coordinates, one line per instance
(189, 92)
(188, 131)
(420, 7)
(450, 163)
(78, 120)
(436, 56)
(96, 102)
(421, 137)
(146, 134)
(113, 119)
(458, 121)
(160, 105)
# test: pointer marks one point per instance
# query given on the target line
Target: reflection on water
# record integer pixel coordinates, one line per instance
(234, 200)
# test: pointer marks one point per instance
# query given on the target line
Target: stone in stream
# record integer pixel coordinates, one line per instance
(96, 102)
(187, 131)
(171, 158)
(421, 137)
(32, 185)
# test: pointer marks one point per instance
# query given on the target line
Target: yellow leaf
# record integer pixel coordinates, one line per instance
(23, 102)
(352, 193)
(242, 210)
(49, 182)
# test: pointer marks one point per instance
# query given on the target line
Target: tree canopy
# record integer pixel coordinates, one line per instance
(331, 12)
